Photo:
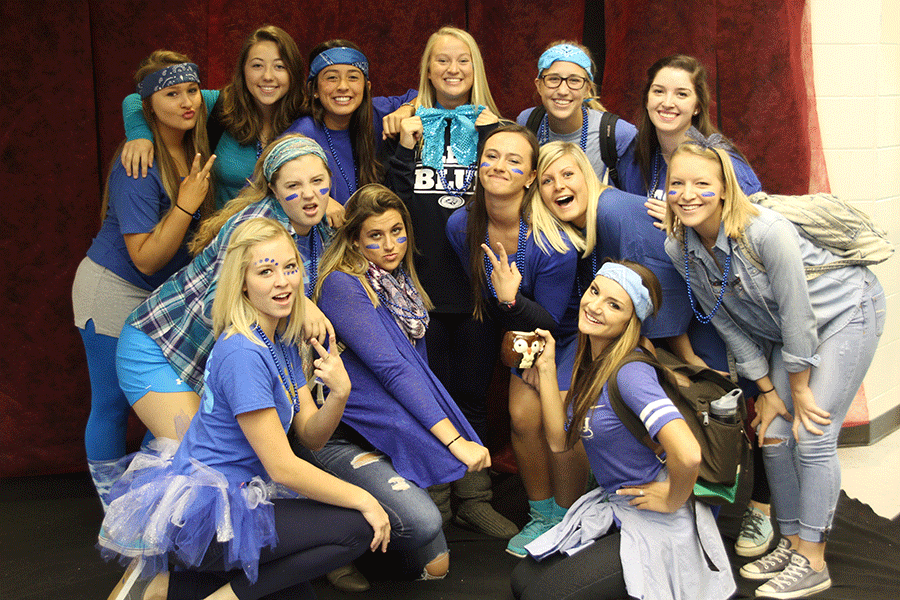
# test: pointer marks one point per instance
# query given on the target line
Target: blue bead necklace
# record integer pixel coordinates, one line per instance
(291, 391)
(350, 185)
(687, 278)
(544, 129)
(657, 156)
(467, 181)
(520, 255)
(313, 262)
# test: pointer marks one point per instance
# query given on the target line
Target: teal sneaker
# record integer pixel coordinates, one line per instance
(756, 533)
(544, 515)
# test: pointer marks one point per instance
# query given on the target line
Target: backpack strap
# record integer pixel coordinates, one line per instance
(534, 119)
(608, 152)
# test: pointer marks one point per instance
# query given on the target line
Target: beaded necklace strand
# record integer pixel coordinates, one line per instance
(313, 262)
(351, 186)
(544, 129)
(520, 255)
(687, 278)
(291, 391)
(467, 181)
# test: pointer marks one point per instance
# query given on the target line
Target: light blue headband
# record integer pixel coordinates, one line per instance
(167, 77)
(566, 53)
(338, 56)
(633, 285)
(288, 149)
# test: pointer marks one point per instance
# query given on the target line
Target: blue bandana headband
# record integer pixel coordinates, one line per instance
(566, 53)
(288, 149)
(632, 284)
(171, 75)
(339, 56)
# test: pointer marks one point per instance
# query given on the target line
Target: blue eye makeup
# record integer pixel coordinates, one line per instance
(263, 261)
(373, 247)
(708, 194)
(401, 240)
(518, 172)
(291, 197)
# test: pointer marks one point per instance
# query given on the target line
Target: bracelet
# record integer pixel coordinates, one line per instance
(453, 440)
(191, 215)
(767, 391)
(506, 306)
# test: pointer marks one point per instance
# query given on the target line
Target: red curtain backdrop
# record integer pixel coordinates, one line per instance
(69, 64)
(758, 56)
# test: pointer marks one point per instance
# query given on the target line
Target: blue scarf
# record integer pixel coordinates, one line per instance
(463, 135)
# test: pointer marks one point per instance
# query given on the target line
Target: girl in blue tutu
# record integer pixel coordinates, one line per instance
(212, 506)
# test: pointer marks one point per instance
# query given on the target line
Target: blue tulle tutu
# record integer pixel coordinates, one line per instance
(158, 514)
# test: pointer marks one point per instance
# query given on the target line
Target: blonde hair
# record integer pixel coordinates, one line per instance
(480, 94)
(545, 222)
(736, 207)
(231, 309)
(592, 98)
(343, 253)
(591, 374)
(258, 189)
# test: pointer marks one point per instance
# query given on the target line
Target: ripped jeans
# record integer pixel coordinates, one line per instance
(416, 526)
(805, 476)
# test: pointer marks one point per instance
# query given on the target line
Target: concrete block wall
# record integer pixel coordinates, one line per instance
(856, 64)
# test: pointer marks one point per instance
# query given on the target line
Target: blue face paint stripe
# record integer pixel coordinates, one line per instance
(291, 197)
(485, 164)
(673, 193)
(401, 240)
(517, 171)
(324, 191)
(373, 247)
(708, 194)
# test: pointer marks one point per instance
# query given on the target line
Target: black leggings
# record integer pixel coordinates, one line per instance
(595, 573)
(313, 539)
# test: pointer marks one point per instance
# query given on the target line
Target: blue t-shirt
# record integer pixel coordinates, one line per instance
(617, 458)
(240, 377)
(135, 206)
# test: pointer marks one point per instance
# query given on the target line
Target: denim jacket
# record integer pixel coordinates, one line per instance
(778, 306)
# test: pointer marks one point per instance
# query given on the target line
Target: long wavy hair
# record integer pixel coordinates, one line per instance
(545, 222)
(480, 94)
(195, 140)
(344, 255)
(258, 188)
(231, 309)
(477, 223)
(592, 98)
(240, 115)
(647, 140)
(362, 130)
(736, 207)
(591, 374)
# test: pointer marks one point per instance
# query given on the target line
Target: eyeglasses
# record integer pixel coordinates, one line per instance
(574, 82)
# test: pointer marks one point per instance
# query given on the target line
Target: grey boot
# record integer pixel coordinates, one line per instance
(440, 495)
(475, 510)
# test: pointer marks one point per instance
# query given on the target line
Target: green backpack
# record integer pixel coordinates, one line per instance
(829, 223)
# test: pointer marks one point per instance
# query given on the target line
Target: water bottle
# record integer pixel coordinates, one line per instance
(725, 409)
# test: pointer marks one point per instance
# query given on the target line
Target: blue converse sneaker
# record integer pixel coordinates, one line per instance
(797, 580)
(769, 565)
(756, 533)
(544, 515)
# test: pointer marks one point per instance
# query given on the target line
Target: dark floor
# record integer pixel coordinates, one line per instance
(49, 525)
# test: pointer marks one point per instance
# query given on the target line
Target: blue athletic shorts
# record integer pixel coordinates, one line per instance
(143, 368)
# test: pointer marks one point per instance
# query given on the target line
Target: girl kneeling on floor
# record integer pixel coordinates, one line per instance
(207, 506)
(639, 534)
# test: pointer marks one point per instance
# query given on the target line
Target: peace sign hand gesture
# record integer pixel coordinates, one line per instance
(193, 188)
(505, 276)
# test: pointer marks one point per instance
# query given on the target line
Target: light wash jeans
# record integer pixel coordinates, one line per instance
(805, 477)
(416, 526)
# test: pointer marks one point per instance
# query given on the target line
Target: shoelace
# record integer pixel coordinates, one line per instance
(753, 524)
(792, 573)
(775, 557)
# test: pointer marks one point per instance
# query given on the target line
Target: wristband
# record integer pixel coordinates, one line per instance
(767, 391)
(453, 440)
(507, 306)
(191, 215)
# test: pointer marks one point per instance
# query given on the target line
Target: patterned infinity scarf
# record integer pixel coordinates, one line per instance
(398, 295)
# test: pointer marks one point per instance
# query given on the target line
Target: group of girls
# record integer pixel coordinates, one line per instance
(216, 345)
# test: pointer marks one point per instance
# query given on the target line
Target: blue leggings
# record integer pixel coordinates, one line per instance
(104, 436)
